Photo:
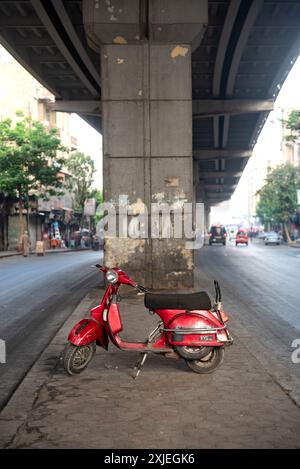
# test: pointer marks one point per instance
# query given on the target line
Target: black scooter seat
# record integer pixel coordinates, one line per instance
(190, 301)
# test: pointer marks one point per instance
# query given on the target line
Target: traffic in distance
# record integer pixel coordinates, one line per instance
(221, 234)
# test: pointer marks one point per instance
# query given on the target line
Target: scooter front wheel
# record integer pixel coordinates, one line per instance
(209, 363)
(76, 359)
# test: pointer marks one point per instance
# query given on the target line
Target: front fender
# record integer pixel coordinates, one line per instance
(88, 330)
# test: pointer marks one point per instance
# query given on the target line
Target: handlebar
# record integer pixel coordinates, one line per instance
(141, 288)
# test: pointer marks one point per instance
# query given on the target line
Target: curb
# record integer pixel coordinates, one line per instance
(52, 251)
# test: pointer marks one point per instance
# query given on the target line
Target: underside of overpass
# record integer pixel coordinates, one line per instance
(202, 116)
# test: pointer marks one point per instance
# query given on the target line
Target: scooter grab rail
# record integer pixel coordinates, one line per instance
(195, 330)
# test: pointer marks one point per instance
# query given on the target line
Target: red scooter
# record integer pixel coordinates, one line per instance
(189, 327)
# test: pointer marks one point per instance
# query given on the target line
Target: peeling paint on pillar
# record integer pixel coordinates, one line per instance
(179, 51)
(119, 252)
(172, 182)
(120, 40)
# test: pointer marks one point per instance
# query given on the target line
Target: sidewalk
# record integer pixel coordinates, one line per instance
(168, 406)
(47, 251)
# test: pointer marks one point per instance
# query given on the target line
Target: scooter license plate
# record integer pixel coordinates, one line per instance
(206, 338)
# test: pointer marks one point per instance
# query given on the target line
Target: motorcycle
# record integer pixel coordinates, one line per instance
(189, 327)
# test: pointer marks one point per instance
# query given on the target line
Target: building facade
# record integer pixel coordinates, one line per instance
(19, 91)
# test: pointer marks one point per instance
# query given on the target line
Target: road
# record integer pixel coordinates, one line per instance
(261, 288)
(37, 294)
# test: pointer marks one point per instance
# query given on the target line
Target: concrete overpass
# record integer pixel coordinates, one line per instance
(180, 91)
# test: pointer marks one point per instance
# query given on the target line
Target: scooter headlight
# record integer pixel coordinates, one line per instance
(112, 276)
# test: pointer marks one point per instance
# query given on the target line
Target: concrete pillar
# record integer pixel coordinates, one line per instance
(147, 123)
(207, 217)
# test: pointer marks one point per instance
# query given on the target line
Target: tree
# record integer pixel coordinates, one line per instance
(29, 165)
(292, 123)
(98, 195)
(278, 197)
(82, 169)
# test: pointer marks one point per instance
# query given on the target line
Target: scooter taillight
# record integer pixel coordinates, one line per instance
(224, 316)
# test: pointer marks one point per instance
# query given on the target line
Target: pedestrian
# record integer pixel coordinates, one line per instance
(25, 244)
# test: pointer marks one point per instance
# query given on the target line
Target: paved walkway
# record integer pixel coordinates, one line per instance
(168, 406)
(47, 251)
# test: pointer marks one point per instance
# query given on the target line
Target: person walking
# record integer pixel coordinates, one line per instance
(25, 244)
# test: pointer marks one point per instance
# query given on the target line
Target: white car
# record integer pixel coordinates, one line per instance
(232, 231)
(273, 238)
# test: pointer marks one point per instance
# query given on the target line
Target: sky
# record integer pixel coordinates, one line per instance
(89, 142)
(267, 148)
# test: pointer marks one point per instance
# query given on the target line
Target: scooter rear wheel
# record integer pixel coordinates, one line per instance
(209, 363)
(76, 359)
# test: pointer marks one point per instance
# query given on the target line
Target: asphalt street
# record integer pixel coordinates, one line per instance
(37, 294)
(261, 288)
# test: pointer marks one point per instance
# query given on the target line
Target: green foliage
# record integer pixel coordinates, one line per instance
(28, 158)
(82, 169)
(278, 197)
(98, 195)
(292, 123)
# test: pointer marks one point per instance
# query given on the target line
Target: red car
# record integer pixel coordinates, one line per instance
(241, 237)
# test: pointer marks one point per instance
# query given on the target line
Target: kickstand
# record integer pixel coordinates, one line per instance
(138, 366)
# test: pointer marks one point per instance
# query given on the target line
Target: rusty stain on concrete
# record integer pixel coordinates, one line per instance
(172, 182)
(119, 40)
(188, 256)
(120, 251)
(179, 51)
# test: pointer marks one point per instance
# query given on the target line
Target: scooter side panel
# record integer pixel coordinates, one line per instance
(87, 331)
(114, 319)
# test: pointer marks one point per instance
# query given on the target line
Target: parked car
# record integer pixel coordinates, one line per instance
(273, 238)
(241, 237)
(217, 234)
(261, 235)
